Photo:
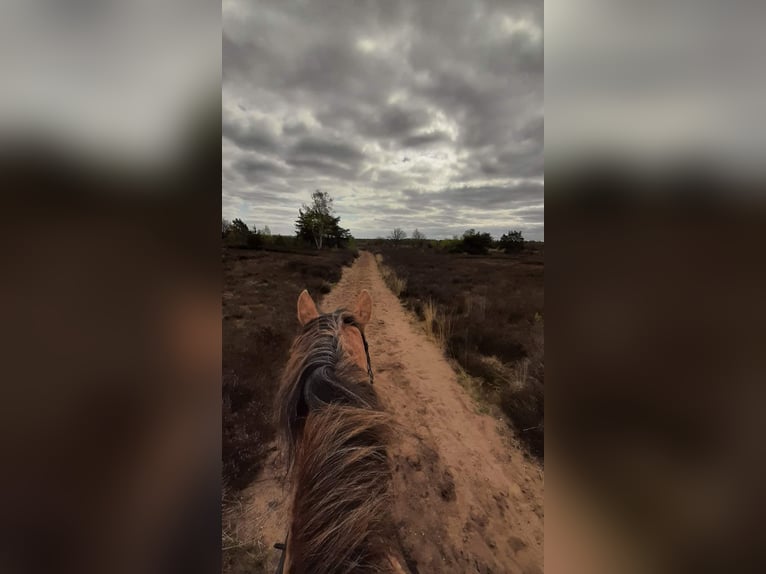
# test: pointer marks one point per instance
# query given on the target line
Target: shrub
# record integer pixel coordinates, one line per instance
(522, 401)
(254, 240)
(511, 242)
(237, 234)
(476, 243)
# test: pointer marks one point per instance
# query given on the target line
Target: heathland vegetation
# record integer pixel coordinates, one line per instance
(482, 301)
(480, 298)
(263, 274)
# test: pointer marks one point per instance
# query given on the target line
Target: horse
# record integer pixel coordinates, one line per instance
(336, 433)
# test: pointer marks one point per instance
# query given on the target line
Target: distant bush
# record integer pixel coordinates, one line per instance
(450, 245)
(397, 236)
(476, 243)
(511, 242)
(254, 240)
(279, 240)
(472, 242)
(238, 234)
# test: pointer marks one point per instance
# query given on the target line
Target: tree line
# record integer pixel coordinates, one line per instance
(472, 241)
(318, 226)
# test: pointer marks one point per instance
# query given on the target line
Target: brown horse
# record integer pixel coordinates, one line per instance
(336, 434)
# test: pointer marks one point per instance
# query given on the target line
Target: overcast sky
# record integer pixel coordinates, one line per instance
(420, 114)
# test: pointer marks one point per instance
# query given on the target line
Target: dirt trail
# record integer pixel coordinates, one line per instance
(467, 499)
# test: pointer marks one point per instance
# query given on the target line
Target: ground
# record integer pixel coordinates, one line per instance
(467, 497)
(487, 313)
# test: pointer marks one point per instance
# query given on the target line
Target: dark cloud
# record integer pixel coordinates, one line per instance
(233, 57)
(397, 121)
(393, 106)
(254, 169)
(322, 149)
(294, 128)
(250, 136)
(314, 166)
(481, 197)
(419, 140)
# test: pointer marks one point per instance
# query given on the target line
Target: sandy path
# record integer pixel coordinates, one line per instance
(467, 500)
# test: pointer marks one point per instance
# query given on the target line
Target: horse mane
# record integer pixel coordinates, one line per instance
(336, 435)
(318, 374)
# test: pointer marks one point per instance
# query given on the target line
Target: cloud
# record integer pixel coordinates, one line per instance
(324, 149)
(420, 140)
(254, 169)
(250, 135)
(426, 110)
(476, 197)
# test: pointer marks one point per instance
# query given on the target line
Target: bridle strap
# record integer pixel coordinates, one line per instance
(369, 363)
(283, 548)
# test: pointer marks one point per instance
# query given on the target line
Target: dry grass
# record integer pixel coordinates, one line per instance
(486, 312)
(437, 322)
(522, 399)
(238, 556)
(430, 313)
(397, 284)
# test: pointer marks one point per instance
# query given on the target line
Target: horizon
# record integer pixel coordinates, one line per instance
(495, 235)
(495, 232)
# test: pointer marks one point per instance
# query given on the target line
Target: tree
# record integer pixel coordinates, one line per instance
(511, 242)
(254, 239)
(397, 235)
(417, 235)
(476, 243)
(238, 234)
(318, 224)
(266, 231)
(225, 227)
(338, 236)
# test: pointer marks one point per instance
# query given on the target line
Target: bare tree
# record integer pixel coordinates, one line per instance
(397, 235)
(418, 236)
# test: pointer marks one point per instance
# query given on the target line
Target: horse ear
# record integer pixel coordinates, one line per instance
(363, 307)
(396, 565)
(307, 309)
